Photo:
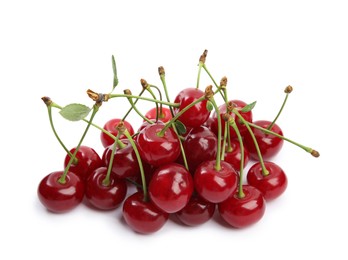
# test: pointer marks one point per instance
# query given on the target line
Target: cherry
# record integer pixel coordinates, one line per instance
(215, 185)
(87, 161)
(234, 156)
(143, 216)
(164, 117)
(243, 212)
(105, 197)
(196, 212)
(171, 187)
(271, 185)
(58, 197)
(269, 144)
(196, 115)
(110, 126)
(125, 163)
(155, 149)
(237, 104)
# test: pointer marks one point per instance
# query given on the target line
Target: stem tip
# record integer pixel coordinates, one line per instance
(315, 153)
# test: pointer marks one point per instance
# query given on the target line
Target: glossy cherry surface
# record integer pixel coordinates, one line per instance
(143, 216)
(110, 126)
(215, 186)
(196, 212)
(125, 163)
(164, 117)
(196, 115)
(158, 150)
(234, 157)
(60, 198)
(243, 212)
(171, 187)
(105, 197)
(88, 161)
(272, 185)
(269, 144)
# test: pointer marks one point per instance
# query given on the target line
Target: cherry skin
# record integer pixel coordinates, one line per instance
(234, 157)
(143, 216)
(269, 144)
(196, 115)
(171, 187)
(110, 126)
(60, 198)
(105, 197)
(243, 212)
(88, 161)
(158, 150)
(196, 212)
(164, 117)
(212, 185)
(238, 104)
(125, 163)
(272, 185)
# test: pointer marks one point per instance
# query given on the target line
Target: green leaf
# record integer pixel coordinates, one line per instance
(74, 112)
(114, 69)
(180, 127)
(209, 106)
(248, 107)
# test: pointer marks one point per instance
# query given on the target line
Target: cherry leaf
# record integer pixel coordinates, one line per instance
(180, 127)
(248, 107)
(114, 69)
(209, 106)
(74, 112)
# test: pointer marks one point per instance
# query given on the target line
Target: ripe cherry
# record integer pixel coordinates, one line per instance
(243, 212)
(196, 115)
(271, 185)
(269, 144)
(165, 116)
(110, 126)
(155, 149)
(215, 185)
(143, 216)
(234, 156)
(87, 161)
(105, 197)
(58, 197)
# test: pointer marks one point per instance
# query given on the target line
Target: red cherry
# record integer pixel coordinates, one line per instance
(88, 161)
(215, 186)
(196, 212)
(102, 196)
(196, 115)
(58, 197)
(110, 126)
(171, 187)
(272, 185)
(234, 157)
(238, 104)
(158, 150)
(143, 216)
(243, 212)
(164, 117)
(269, 144)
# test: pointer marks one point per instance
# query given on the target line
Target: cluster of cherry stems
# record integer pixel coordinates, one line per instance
(186, 159)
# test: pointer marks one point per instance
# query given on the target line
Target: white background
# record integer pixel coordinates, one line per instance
(61, 48)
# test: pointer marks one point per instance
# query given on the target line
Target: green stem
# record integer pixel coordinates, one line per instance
(138, 112)
(229, 147)
(279, 112)
(135, 102)
(145, 98)
(200, 65)
(159, 113)
(106, 181)
(211, 77)
(218, 158)
(66, 170)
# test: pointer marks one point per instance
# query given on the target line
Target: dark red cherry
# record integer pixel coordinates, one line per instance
(60, 198)
(243, 212)
(164, 117)
(125, 163)
(87, 161)
(143, 216)
(272, 185)
(234, 157)
(110, 126)
(196, 115)
(269, 144)
(196, 212)
(171, 187)
(158, 150)
(105, 197)
(215, 186)
(238, 104)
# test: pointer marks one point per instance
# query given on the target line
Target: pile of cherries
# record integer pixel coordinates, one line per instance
(186, 159)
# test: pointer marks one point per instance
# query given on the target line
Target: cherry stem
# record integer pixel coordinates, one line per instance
(210, 76)
(135, 102)
(218, 154)
(287, 90)
(62, 179)
(200, 65)
(145, 98)
(159, 112)
(229, 147)
(106, 181)
(138, 112)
